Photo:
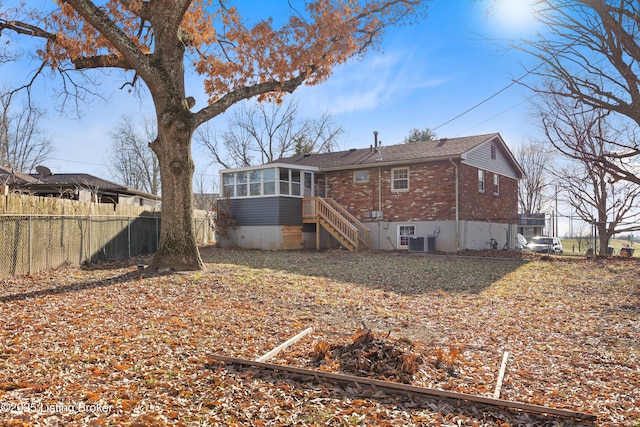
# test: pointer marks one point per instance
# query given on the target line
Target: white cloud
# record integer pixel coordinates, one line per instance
(368, 84)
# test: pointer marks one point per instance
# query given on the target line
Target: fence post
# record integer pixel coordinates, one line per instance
(129, 235)
(89, 238)
(29, 242)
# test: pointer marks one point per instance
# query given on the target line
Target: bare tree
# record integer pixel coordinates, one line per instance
(584, 237)
(590, 50)
(131, 161)
(417, 135)
(204, 197)
(596, 196)
(23, 145)
(536, 159)
(264, 132)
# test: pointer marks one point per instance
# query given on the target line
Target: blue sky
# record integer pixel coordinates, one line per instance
(424, 76)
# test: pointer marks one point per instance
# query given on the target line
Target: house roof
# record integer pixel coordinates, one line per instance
(88, 181)
(11, 177)
(401, 153)
(34, 182)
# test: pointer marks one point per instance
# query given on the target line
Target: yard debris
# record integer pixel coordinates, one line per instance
(367, 355)
(284, 345)
(503, 367)
(407, 389)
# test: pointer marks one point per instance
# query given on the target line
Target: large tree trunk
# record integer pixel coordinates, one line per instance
(603, 238)
(178, 249)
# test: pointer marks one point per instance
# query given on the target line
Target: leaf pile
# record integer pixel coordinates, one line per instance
(369, 356)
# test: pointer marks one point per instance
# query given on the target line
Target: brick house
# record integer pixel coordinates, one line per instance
(449, 195)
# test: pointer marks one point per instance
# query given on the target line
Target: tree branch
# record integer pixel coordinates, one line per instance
(246, 92)
(26, 29)
(122, 43)
(101, 61)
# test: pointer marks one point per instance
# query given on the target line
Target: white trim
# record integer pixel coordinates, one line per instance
(272, 165)
(398, 226)
(393, 180)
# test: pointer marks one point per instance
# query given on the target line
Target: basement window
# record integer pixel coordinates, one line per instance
(404, 234)
(361, 177)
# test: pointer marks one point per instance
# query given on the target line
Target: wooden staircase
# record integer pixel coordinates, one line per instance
(346, 228)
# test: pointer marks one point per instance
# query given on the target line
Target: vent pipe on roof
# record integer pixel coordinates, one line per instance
(375, 139)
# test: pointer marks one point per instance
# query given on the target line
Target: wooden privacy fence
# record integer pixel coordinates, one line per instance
(37, 234)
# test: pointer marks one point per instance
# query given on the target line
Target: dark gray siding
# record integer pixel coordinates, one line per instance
(267, 211)
(290, 211)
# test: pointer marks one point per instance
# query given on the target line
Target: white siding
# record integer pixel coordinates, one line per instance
(480, 157)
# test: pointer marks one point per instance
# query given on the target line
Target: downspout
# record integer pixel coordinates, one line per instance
(379, 189)
(457, 208)
(379, 207)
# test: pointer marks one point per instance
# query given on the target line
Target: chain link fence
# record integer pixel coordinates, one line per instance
(32, 243)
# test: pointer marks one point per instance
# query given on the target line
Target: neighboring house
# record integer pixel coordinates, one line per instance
(531, 225)
(75, 186)
(449, 195)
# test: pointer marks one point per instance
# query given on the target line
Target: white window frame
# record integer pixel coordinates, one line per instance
(394, 180)
(481, 181)
(400, 236)
(254, 183)
(496, 184)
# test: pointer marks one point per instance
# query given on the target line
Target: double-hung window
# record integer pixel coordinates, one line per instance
(400, 179)
(481, 180)
(496, 184)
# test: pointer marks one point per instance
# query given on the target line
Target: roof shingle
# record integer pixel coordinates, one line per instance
(419, 151)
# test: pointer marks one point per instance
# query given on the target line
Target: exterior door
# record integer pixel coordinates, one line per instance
(308, 184)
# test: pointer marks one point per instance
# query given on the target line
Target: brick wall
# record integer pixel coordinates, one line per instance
(431, 194)
(475, 205)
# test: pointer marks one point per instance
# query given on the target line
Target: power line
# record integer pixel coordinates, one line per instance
(106, 166)
(488, 98)
(77, 161)
(497, 115)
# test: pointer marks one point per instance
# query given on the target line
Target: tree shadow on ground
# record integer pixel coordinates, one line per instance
(399, 272)
(75, 287)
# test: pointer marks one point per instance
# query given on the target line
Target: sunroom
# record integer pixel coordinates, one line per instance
(265, 203)
(272, 180)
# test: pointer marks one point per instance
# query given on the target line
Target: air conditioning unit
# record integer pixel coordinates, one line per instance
(422, 243)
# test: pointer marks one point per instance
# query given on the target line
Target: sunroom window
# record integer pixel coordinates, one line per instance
(241, 184)
(270, 181)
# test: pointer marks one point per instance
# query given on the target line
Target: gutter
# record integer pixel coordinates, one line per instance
(380, 164)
